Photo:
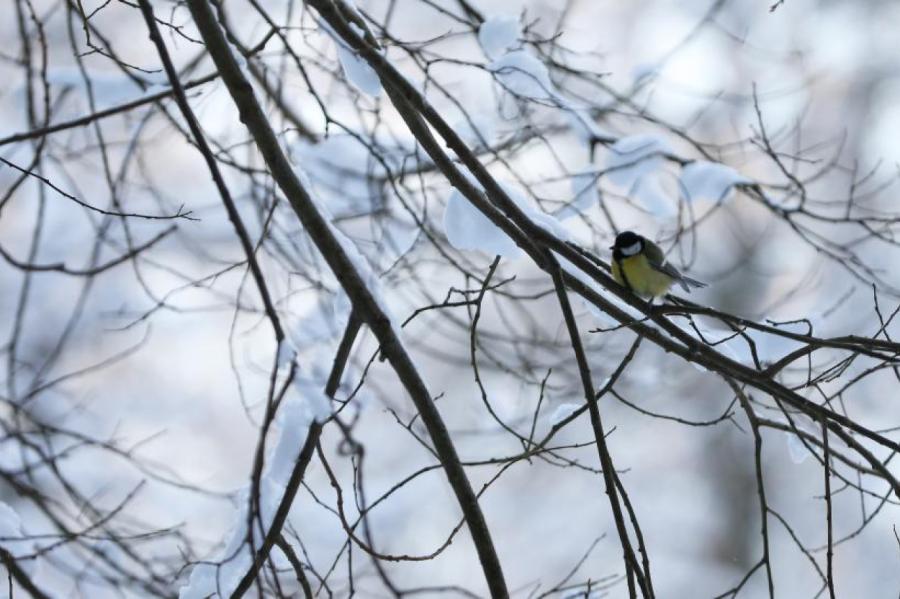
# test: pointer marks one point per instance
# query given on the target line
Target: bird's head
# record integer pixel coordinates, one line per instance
(628, 243)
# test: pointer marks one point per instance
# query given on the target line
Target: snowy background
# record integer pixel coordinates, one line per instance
(189, 398)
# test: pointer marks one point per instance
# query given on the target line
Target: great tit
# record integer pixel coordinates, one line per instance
(640, 265)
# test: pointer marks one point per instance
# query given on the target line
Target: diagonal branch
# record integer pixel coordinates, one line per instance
(365, 303)
(17, 573)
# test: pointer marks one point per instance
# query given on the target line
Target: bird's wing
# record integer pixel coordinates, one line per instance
(657, 261)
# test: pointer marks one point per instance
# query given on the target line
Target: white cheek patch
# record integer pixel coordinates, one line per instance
(632, 249)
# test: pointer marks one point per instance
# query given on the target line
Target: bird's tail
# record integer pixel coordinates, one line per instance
(687, 283)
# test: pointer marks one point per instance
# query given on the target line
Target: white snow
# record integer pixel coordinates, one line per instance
(585, 195)
(649, 190)
(709, 181)
(524, 75)
(537, 216)
(323, 321)
(312, 394)
(370, 278)
(498, 34)
(342, 168)
(719, 339)
(604, 319)
(796, 449)
(292, 422)
(634, 164)
(109, 89)
(583, 124)
(285, 354)
(563, 411)
(211, 579)
(633, 157)
(478, 130)
(357, 71)
(219, 580)
(360, 263)
(468, 229)
(10, 524)
(769, 348)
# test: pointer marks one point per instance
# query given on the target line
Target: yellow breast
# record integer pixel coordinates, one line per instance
(636, 273)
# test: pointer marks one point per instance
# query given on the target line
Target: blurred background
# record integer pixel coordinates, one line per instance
(137, 361)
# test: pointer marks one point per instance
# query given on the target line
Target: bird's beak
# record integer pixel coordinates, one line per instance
(612, 247)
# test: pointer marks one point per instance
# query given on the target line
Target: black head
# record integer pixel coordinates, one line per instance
(628, 243)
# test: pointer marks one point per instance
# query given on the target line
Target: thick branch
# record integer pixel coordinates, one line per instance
(365, 304)
(20, 576)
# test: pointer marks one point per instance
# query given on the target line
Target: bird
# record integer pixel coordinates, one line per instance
(640, 265)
